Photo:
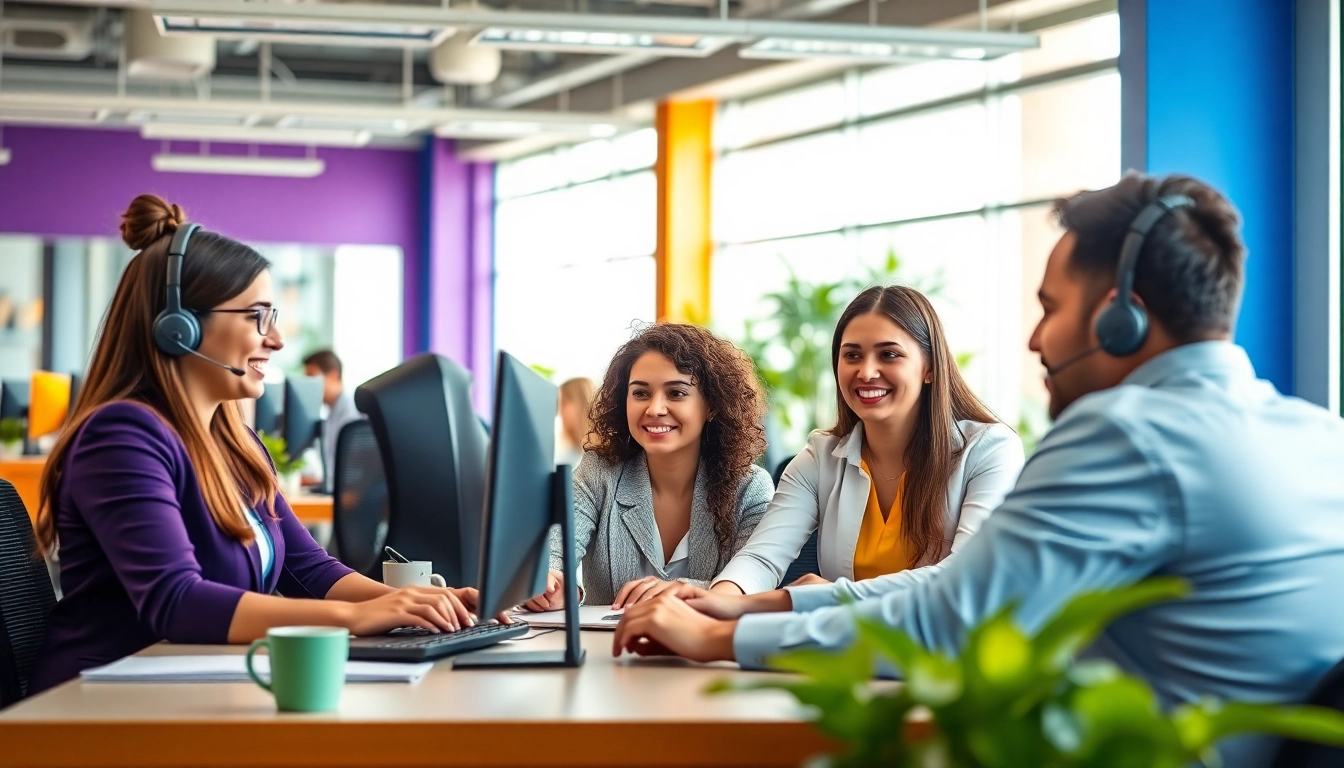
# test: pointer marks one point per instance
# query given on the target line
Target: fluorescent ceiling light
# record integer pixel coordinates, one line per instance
(512, 129)
(581, 41)
(256, 134)
(881, 43)
(52, 115)
(141, 116)
(4, 156)
(305, 167)
(784, 48)
(306, 31)
(381, 127)
(404, 24)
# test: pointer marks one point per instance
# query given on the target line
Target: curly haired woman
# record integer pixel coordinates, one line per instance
(667, 491)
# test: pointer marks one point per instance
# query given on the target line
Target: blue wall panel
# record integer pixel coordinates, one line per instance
(1218, 105)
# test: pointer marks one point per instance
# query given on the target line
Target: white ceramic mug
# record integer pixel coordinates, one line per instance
(413, 574)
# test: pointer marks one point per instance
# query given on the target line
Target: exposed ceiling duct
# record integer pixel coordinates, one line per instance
(457, 62)
(394, 71)
(153, 56)
(32, 32)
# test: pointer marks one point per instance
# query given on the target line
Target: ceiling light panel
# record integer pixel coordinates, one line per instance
(393, 127)
(583, 41)
(52, 115)
(305, 31)
(256, 135)
(306, 167)
(512, 129)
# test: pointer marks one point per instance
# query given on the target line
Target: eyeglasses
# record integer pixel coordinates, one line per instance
(264, 316)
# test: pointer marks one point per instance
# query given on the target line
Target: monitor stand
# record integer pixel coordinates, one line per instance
(562, 513)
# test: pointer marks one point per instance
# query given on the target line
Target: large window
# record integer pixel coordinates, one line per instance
(575, 232)
(951, 166)
(55, 292)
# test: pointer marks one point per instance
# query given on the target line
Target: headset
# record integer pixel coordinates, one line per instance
(1123, 326)
(177, 331)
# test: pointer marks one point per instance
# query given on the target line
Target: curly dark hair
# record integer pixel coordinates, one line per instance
(732, 440)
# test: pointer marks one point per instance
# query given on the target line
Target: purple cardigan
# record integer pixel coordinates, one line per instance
(141, 558)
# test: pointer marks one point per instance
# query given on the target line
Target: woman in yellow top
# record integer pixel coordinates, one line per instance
(912, 468)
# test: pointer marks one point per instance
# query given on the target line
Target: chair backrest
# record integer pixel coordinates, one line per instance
(806, 562)
(360, 504)
(1329, 692)
(26, 596)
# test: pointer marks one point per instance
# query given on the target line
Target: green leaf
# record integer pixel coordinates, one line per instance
(1086, 615)
(1206, 723)
(934, 681)
(849, 667)
(891, 643)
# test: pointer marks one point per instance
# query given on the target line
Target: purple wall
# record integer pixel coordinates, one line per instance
(71, 182)
(459, 218)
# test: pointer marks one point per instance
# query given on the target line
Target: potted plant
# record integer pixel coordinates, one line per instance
(1013, 701)
(11, 438)
(791, 343)
(287, 468)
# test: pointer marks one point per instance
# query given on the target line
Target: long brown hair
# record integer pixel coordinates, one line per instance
(932, 454)
(127, 365)
(732, 440)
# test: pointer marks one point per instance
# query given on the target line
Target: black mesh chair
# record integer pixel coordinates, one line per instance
(806, 562)
(360, 505)
(1329, 692)
(26, 597)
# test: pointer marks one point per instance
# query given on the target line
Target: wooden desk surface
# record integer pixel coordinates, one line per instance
(311, 508)
(609, 712)
(26, 475)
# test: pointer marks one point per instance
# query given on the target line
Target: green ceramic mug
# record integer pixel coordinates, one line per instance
(307, 667)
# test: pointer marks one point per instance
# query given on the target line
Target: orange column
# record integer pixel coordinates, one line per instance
(684, 168)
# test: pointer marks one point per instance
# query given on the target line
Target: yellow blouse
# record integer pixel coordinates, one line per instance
(881, 548)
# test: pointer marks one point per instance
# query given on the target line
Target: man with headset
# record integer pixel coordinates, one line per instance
(1167, 457)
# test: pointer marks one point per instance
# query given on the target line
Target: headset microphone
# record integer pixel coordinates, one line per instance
(229, 368)
(1053, 371)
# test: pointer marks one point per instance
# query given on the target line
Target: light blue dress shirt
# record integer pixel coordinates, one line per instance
(1192, 468)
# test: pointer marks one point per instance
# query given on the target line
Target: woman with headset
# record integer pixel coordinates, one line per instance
(165, 506)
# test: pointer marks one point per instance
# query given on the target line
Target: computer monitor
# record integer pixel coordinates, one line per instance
(302, 417)
(14, 398)
(269, 407)
(525, 495)
(434, 454)
(48, 403)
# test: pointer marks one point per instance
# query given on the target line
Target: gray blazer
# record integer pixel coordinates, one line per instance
(615, 529)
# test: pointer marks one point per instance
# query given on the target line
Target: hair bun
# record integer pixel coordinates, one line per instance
(148, 218)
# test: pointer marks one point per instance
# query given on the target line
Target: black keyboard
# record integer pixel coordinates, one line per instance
(415, 644)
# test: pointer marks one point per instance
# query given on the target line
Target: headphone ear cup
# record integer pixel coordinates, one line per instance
(1122, 328)
(173, 327)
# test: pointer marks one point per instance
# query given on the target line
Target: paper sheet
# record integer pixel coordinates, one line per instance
(231, 669)
(590, 617)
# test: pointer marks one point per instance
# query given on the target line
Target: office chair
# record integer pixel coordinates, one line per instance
(1329, 692)
(26, 597)
(806, 562)
(360, 505)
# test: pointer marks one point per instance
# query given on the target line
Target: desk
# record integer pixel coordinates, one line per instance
(608, 712)
(26, 475)
(311, 508)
